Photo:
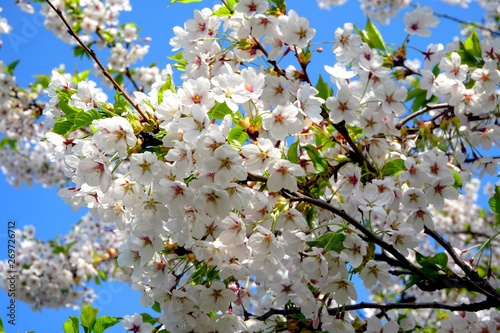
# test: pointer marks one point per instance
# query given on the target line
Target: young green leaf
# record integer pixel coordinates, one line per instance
(180, 62)
(292, 154)
(237, 134)
(168, 85)
(458, 181)
(374, 36)
(10, 68)
(121, 105)
(319, 162)
(394, 167)
(324, 89)
(62, 126)
(105, 322)
(329, 242)
(472, 45)
(219, 110)
(71, 325)
(494, 201)
(88, 316)
(85, 118)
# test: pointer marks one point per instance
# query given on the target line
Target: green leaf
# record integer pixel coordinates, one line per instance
(374, 36)
(467, 58)
(8, 142)
(147, 318)
(324, 90)
(223, 11)
(67, 109)
(393, 167)
(62, 126)
(494, 201)
(156, 307)
(413, 280)
(43, 80)
(292, 154)
(318, 161)
(103, 275)
(432, 265)
(119, 79)
(10, 68)
(458, 181)
(180, 62)
(472, 45)
(2, 330)
(71, 325)
(105, 322)
(78, 77)
(168, 85)
(88, 316)
(440, 259)
(121, 105)
(426, 330)
(219, 110)
(79, 51)
(329, 242)
(85, 118)
(237, 134)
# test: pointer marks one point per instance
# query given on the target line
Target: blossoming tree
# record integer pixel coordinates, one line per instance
(238, 193)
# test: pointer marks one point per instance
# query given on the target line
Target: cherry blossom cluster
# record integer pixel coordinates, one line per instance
(5, 28)
(98, 24)
(246, 198)
(55, 274)
(384, 11)
(216, 209)
(24, 153)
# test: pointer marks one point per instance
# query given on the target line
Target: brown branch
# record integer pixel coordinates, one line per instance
(273, 312)
(92, 54)
(345, 134)
(481, 285)
(422, 111)
(369, 236)
(474, 307)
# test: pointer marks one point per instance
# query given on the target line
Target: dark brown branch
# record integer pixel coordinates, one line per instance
(369, 236)
(273, 312)
(422, 111)
(474, 307)
(483, 286)
(345, 134)
(96, 59)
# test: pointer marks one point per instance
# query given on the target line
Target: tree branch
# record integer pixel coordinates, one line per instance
(345, 134)
(474, 307)
(370, 237)
(422, 111)
(273, 312)
(482, 285)
(96, 60)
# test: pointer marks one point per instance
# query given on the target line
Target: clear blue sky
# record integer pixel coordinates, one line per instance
(39, 52)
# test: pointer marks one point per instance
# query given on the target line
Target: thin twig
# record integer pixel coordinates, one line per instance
(454, 19)
(96, 59)
(421, 112)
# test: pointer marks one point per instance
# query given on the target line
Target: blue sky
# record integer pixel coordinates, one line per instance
(39, 52)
